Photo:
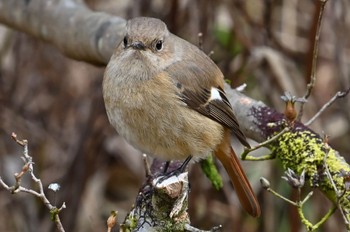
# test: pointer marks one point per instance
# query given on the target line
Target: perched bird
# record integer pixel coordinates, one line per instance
(166, 98)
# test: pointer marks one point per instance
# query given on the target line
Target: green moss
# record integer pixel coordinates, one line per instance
(304, 150)
(210, 170)
(53, 213)
(130, 223)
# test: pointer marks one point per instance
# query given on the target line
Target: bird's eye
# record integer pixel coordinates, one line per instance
(159, 45)
(125, 42)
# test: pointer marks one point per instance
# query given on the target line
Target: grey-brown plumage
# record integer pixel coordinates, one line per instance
(165, 97)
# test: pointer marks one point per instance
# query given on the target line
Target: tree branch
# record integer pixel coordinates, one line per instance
(75, 30)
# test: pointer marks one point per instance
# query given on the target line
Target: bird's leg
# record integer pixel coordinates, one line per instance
(166, 166)
(178, 170)
(175, 172)
(184, 165)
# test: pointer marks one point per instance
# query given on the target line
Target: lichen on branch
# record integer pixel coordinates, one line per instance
(301, 149)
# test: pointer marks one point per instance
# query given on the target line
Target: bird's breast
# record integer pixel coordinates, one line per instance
(153, 118)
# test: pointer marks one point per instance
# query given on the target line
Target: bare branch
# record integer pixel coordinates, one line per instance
(17, 188)
(339, 94)
(75, 30)
(312, 82)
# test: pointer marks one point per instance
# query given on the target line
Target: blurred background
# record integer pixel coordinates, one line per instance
(56, 103)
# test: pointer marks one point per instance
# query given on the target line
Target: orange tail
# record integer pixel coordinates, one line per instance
(244, 191)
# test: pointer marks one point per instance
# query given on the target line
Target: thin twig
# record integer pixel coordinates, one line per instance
(3, 184)
(314, 59)
(200, 41)
(329, 176)
(263, 144)
(339, 94)
(337, 192)
(326, 217)
(147, 166)
(281, 197)
(112, 221)
(306, 198)
(28, 167)
(200, 44)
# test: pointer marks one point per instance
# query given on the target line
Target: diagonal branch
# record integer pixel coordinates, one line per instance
(312, 82)
(76, 31)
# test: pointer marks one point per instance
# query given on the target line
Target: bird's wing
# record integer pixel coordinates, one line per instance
(200, 84)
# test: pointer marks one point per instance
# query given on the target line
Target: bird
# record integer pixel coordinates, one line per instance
(166, 97)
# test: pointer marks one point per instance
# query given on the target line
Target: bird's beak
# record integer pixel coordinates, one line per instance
(138, 45)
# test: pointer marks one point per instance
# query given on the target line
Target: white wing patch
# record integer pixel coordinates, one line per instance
(215, 94)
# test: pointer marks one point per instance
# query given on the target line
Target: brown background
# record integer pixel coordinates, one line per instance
(56, 103)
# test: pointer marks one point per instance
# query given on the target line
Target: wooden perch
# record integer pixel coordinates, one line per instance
(162, 203)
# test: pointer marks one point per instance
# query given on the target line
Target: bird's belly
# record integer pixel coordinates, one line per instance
(170, 131)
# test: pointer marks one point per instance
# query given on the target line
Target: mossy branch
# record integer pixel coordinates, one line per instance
(301, 149)
(162, 203)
